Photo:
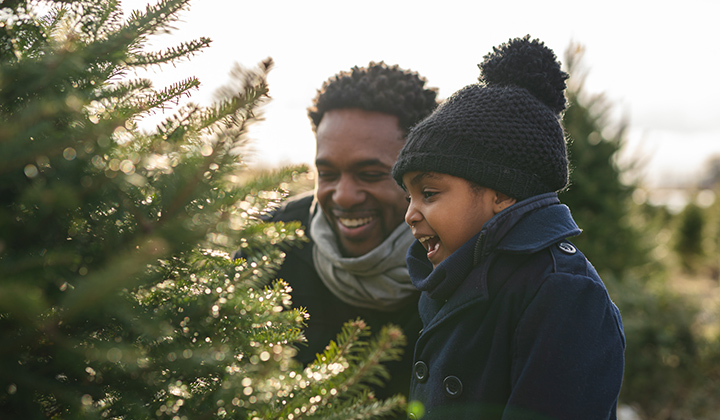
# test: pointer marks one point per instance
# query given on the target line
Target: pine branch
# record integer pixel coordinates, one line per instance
(349, 337)
(119, 296)
(121, 272)
(238, 110)
(156, 19)
(170, 55)
(175, 128)
(118, 46)
(340, 376)
(367, 362)
(363, 407)
(97, 19)
(154, 100)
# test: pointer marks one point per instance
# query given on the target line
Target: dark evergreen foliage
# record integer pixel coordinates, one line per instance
(118, 298)
(670, 370)
(689, 241)
(598, 198)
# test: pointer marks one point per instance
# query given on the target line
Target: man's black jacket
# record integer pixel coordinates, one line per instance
(328, 313)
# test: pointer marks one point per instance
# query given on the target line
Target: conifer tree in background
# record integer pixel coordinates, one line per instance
(117, 295)
(596, 195)
(689, 242)
(671, 367)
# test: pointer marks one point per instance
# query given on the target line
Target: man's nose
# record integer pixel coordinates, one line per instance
(348, 192)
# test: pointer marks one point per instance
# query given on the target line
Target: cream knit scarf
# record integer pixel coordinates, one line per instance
(377, 280)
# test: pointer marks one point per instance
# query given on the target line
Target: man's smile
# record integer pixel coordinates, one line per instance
(354, 222)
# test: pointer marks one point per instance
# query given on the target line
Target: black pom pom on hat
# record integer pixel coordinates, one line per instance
(503, 133)
(526, 63)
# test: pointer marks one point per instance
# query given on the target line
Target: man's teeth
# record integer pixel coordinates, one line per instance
(425, 238)
(352, 223)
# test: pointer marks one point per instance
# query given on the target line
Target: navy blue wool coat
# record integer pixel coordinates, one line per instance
(517, 324)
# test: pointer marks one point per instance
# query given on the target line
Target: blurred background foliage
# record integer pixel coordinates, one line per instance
(661, 266)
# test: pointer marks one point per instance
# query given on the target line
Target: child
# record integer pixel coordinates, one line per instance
(517, 323)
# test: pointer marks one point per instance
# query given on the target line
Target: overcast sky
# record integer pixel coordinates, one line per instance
(655, 61)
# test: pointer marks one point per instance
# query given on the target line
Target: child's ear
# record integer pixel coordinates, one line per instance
(502, 201)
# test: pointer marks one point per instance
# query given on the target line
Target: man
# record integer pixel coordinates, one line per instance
(354, 265)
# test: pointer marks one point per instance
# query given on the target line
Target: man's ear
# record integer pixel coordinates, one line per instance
(502, 201)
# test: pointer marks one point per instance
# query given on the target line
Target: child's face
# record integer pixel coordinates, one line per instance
(446, 211)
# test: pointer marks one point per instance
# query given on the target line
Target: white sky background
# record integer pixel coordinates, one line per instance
(657, 62)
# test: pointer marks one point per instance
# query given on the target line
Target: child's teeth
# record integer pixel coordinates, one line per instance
(424, 241)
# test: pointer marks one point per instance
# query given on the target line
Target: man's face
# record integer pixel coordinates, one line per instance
(356, 150)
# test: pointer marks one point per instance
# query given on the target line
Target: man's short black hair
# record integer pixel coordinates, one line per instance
(377, 87)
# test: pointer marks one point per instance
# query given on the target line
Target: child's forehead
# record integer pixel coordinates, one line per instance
(418, 177)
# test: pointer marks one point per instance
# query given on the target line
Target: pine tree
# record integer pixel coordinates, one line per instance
(118, 298)
(597, 196)
(689, 242)
(670, 369)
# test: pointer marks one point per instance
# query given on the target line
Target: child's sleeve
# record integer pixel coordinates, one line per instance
(568, 356)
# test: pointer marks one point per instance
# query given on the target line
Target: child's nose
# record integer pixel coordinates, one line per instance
(412, 215)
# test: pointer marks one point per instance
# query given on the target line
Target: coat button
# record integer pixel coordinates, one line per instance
(421, 372)
(567, 248)
(453, 386)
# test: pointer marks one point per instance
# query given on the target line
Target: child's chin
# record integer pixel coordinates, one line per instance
(435, 261)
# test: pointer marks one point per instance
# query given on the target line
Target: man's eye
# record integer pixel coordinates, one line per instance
(428, 194)
(373, 176)
(326, 175)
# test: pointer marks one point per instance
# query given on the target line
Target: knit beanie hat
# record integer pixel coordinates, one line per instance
(503, 133)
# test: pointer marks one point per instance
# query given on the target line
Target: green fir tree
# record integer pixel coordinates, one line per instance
(118, 298)
(598, 198)
(670, 369)
(689, 241)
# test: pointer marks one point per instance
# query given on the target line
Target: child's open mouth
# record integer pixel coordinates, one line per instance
(431, 244)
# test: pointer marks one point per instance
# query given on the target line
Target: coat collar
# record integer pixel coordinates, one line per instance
(524, 230)
(525, 227)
